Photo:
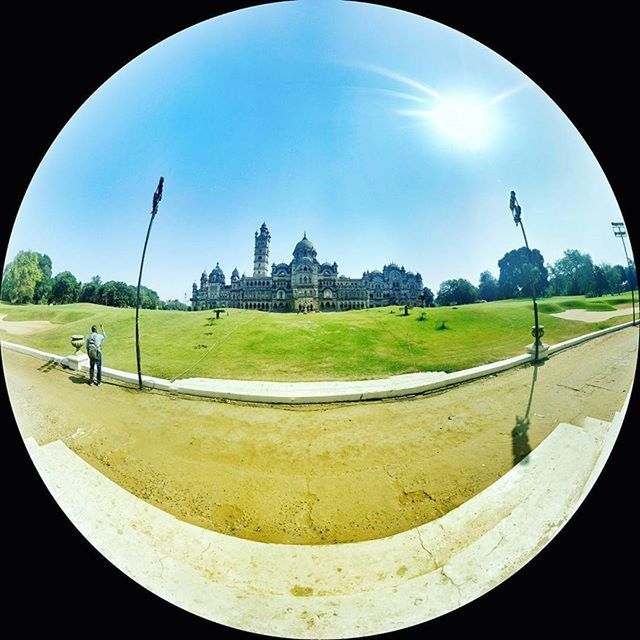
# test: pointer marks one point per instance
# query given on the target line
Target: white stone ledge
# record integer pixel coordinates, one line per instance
(261, 391)
(342, 590)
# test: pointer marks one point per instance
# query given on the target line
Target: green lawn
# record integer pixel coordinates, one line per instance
(349, 345)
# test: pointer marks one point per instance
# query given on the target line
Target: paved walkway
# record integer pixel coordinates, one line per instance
(344, 590)
(316, 474)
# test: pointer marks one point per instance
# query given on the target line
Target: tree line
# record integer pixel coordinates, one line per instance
(573, 274)
(28, 279)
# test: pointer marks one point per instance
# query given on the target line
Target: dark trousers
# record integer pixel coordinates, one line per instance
(92, 364)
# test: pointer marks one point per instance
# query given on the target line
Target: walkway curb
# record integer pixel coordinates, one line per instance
(263, 391)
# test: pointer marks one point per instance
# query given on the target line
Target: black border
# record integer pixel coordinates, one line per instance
(60, 54)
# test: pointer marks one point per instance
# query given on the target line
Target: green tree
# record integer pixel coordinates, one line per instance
(488, 289)
(572, 274)
(458, 291)
(117, 294)
(42, 292)
(632, 277)
(106, 293)
(517, 272)
(65, 288)
(174, 305)
(614, 277)
(622, 277)
(600, 282)
(21, 277)
(428, 297)
(90, 291)
(149, 299)
(7, 283)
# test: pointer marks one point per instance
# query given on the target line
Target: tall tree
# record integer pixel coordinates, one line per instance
(117, 294)
(65, 288)
(573, 273)
(600, 282)
(614, 276)
(149, 299)
(632, 277)
(42, 291)
(458, 291)
(428, 297)
(517, 272)
(7, 283)
(90, 291)
(488, 289)
(19, 283)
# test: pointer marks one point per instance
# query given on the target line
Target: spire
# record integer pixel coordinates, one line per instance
(261, 251)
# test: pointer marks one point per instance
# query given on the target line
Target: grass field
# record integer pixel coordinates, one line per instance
(353, 345)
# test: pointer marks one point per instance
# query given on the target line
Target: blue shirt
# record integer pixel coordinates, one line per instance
(97, 338)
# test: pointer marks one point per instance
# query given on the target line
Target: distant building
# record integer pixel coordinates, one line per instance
(304, 284)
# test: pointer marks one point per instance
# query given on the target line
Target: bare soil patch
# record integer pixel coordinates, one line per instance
(316, 474)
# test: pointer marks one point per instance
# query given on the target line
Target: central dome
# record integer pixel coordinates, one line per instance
(304, 248)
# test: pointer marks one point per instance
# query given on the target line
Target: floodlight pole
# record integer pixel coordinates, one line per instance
(157, 196)
(516, 210)
(620, 232)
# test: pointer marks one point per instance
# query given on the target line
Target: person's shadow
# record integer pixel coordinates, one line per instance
(520, 433)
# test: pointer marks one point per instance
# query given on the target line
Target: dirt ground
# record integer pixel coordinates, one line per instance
(323, 473)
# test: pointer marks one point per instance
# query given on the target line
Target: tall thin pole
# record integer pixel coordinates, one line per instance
(157, 196)
(516, 209)
(633, 297)
(619, 231)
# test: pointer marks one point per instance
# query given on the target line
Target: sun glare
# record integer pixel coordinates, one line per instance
(462, 119)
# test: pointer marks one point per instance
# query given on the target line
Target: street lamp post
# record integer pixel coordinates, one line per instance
(157, 196)
(620, 232)
(538, 331)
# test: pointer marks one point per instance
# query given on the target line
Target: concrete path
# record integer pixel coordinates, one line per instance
(336, 591)
(323, 473)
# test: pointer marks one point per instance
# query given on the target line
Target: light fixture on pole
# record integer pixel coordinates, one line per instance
(619, 231)
(537, 331)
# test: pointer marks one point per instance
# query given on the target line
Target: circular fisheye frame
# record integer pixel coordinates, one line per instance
(297, 328)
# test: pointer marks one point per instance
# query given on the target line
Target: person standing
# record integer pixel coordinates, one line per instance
(94, 350)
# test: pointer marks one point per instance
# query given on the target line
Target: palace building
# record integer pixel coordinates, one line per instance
(305, 284)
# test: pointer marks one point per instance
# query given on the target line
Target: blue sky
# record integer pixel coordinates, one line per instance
(386, 136)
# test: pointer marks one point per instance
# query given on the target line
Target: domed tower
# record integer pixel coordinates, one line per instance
(261, 252)
(217, 275)
(304, 275)
(235, 275)
(305, 249)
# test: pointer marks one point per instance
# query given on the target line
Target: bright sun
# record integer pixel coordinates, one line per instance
(464, 120)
